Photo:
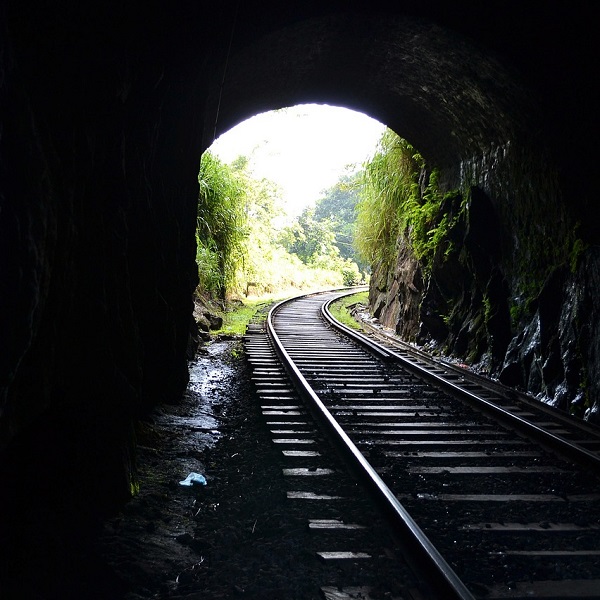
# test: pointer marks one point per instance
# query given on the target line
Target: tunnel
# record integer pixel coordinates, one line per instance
(105, 110)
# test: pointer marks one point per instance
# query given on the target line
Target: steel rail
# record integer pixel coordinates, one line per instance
(418, 548)
(490, 385)
(548, 439)
(373, 347)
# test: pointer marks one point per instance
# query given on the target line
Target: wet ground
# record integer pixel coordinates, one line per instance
(227, 539)
(146, 544)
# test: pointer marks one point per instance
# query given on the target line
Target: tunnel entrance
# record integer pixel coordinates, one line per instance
(104, 112)
(479, 112)
(429, 84)
(286, 185)
(483, 119)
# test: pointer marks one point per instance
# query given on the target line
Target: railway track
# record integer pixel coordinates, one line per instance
(487, 494)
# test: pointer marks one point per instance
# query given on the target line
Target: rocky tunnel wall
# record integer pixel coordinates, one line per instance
(99, 151)
(105, 110)
(491, 113)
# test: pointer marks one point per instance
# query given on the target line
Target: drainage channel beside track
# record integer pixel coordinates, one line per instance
(481, 504)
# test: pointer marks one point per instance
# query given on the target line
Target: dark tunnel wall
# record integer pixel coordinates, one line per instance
(432, 86)
(104, 112)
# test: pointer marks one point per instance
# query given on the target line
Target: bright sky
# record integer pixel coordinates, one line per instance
(304, 149)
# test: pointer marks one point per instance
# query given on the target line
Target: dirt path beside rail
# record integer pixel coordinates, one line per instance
(227, 539)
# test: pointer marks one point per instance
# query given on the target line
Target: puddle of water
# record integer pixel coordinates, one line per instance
(200, 422)
(208, 376)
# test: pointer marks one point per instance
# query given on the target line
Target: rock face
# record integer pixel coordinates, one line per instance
(395, 295)
(556, 355)
(480, 303)
(105, 109)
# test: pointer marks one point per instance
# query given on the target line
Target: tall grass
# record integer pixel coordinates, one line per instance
(390, 180)
(221, 227)
(401, 200)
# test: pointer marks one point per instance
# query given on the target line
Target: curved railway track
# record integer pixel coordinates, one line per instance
(487, 494)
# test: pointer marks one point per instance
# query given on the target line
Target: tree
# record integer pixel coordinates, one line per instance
(338, 206)
(311, 240)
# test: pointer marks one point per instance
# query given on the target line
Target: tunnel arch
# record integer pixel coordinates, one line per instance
(430, 85)
(105, 109)
(462, 105)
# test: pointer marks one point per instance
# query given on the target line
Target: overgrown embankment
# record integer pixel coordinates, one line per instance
(492, 271)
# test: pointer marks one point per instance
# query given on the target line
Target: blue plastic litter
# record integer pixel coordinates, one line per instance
(193, 479)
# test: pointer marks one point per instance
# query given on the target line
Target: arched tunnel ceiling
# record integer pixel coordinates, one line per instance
(434, 88)
(104, 110)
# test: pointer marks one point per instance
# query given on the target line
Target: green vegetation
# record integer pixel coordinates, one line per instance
(401, 200)
(322, 236)
(341, 308)
(577, 249)
(243, 250)
(487, 308)
(134, 488)
(338, 208)
(221, 226)
(238, 315)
